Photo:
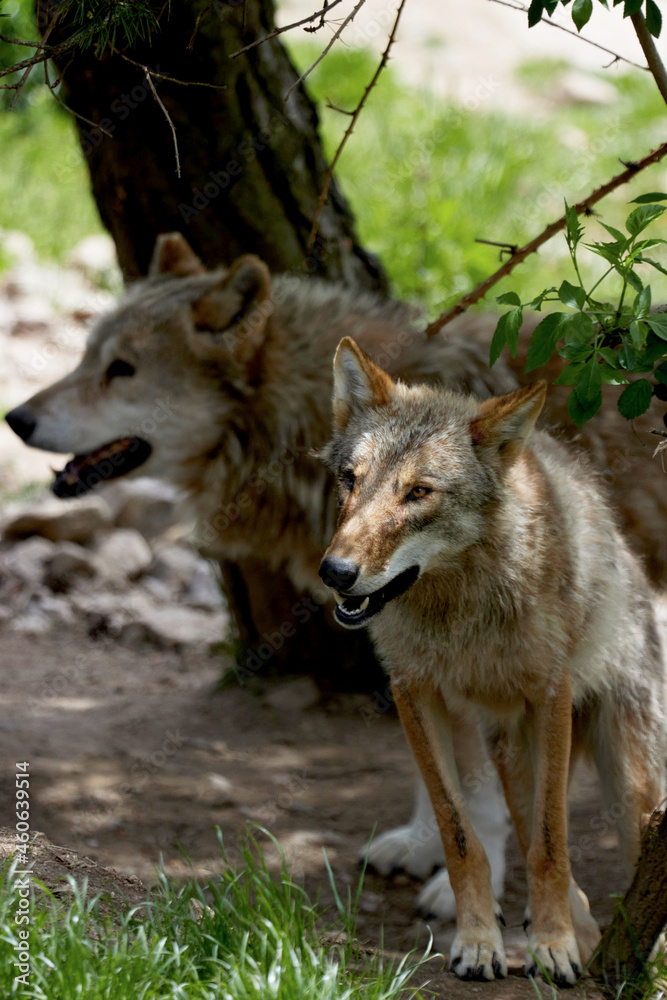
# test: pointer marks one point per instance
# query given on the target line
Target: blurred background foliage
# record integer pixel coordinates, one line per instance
(425, 178)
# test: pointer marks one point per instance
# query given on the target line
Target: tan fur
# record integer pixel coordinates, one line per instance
(520, 601)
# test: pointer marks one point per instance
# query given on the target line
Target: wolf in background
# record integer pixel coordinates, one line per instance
(489, 567)
(220, 382)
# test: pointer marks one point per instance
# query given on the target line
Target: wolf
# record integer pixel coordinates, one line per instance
(219, 382)
(487, 564)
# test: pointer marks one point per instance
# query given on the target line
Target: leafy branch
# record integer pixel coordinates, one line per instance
(602, 342)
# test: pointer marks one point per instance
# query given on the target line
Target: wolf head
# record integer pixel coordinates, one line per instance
(176, 337)
(418, 469)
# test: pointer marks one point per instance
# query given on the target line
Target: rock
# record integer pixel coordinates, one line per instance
(26, 560)
(18, 245)
(94, 255)
(33, 622)
(60, 520)
(174, 627)
(58, 609)
(294, 696)
(105, 613)
(68, 565)
(146, 505)
(122, 555)
(175, 564)
(32, 315)
(203, 590)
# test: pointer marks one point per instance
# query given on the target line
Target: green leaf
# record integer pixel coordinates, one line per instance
(581, 12)
(570, 374)
(661, 373)
(642, 305)
(655, 349)
(649, 199)
(632, 7)
(580, 414)
(589, 384)
(573, 230)
(637, 333)
(609, 355)
(636, 399)
(632, 279)
(616, 233)
(612, 376)
(508, 299)
(543, 342)
(643, 216)
(535, 12)
(576, 352)
(627, 357)
(610, 251)
(572, 295)
(658, 323)
(578, 328)
(654, 263)
(507, 332)
(539, 299)
(653, 18)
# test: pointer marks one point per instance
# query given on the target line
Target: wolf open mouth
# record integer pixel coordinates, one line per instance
(353, 612)
(83, 472)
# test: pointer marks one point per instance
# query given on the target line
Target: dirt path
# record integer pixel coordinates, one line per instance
(133, 753)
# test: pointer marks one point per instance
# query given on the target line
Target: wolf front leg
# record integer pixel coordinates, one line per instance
(477, 951)
(552, 943)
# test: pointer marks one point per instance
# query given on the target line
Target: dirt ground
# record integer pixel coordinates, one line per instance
(135, 755)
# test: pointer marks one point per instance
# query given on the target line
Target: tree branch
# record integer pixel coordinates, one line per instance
(288, 27)
(336, 35)
(555, 227)
(169, 121)
(355, 115)
(655, 63)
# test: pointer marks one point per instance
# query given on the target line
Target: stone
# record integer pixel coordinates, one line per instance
(122, 554)
(175, 627)
(146, 505)
(293, 696)
(27, 559)
(203, 590)
(175, 564)
(68, 565)
(94, 255)
(60, 520)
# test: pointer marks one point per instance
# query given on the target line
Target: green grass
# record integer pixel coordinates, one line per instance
(245, 935)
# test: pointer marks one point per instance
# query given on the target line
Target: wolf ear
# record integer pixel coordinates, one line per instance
(358, 383)
(174, 255)
(503, 423)
(231, 317)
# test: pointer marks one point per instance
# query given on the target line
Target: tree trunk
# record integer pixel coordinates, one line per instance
(252, 166)
(252, 169)
(640, 918)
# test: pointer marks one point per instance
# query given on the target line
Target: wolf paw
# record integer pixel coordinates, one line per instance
(556, 957)
(478, 956)
(404, 850)
(437, 898)
(585, 926)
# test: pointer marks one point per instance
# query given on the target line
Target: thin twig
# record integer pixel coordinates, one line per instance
(171, 79)
(19, 41)
(555, 227)
(171, 124)
(200, 15)
(47, 52)
(334, 38)
(655, 63)
(507, 247)
(28, 71)
(318, 27)
(287, 27)
(341, 111)
(52, 88)
(355, 115)
(569, 31)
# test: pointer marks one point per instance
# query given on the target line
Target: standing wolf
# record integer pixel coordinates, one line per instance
(496, 586)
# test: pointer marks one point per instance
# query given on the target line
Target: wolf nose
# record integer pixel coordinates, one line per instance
(341, 574)
(21, 422)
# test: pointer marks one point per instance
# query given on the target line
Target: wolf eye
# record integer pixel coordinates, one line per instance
(347, 479)
(119, 369)
(417, 492)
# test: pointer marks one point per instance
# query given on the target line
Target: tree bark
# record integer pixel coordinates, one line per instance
(252, 169)
(641, 917)
(252, 166)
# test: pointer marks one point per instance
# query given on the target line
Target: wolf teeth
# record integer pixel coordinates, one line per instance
(364, 604)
